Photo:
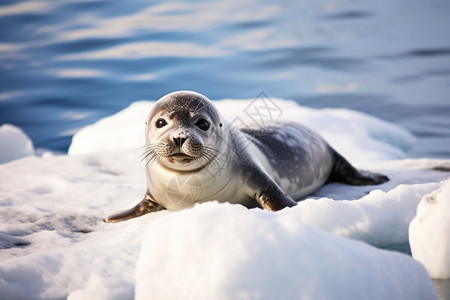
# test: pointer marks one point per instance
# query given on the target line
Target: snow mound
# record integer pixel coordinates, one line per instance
(358, 136)
(429, 232)
(121, 131)
(222, 251)
(379, 218)
(14, 143)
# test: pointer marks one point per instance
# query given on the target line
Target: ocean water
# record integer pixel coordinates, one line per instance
(66, 64)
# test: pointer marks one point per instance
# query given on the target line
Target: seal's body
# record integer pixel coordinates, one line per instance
(194, 156)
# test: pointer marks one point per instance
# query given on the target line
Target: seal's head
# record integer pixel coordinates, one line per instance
(183, 132)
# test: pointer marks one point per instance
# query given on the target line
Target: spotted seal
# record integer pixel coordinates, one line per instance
(194, 156)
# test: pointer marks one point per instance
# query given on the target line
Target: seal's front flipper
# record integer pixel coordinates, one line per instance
(144, 207)
(274, 199)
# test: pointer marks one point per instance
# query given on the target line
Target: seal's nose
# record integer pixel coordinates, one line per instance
(179, 141)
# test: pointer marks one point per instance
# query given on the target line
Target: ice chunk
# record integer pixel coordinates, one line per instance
(429, 232)
(14, 143)
(223, 251)
(122, 131)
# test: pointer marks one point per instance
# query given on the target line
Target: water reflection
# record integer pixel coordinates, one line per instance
(141, 50)
(96, 57)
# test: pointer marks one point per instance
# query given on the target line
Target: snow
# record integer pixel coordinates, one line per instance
(15, 143)
(124, 130)
(55, 245)
(429, 232)
(227, 252)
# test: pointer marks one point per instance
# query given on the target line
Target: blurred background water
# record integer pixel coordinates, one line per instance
(65, 64)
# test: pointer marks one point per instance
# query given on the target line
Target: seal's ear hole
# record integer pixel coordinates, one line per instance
(220, 124)
(203, 124)
(160, 123)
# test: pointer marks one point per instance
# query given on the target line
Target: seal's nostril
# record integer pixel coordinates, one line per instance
(179, 141)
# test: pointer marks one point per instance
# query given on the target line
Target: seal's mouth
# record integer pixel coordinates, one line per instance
(180, 155)
(180, 158)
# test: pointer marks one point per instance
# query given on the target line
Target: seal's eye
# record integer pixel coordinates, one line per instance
(160, 123)
(203, 124)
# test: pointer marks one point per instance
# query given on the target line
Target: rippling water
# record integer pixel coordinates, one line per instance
(65, 64)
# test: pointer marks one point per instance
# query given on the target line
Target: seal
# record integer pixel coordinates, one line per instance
(193, 155)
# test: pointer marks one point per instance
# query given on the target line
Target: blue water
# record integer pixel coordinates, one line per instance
(66, 64)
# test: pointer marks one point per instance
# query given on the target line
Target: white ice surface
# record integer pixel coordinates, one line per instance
(54, 243)
(14, 143)
(228, 252)
(429, 232)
